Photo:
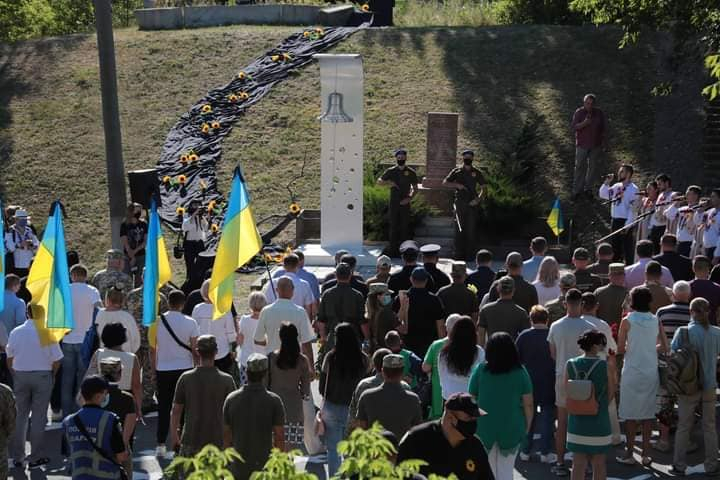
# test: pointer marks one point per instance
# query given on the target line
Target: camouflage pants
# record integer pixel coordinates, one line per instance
(148, 375)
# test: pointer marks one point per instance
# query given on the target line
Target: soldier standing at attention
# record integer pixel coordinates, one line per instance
(113, 275)
(403, 183)
(469, 185)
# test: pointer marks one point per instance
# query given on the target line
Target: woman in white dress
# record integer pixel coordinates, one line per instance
(547, 282)
(459, 357)
(248, 324)
(640, 338)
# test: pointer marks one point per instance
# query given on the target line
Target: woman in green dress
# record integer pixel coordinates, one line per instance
(503, 389)
(589, 436)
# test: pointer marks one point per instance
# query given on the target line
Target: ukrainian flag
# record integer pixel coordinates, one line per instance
(157, 271)
(2, 259)
(49, 282)
(239, 242)
(555, 219)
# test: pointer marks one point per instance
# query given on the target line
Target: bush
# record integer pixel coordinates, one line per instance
(537, 12)
(21, 19)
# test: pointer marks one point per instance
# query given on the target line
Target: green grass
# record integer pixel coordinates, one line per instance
(448, 13)
(51, 135)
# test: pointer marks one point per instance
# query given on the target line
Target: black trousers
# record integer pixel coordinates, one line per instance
(710, 253)
(166, 382)
(467, 217)
(399, 226)
(656, 234)
(622, 243)
(192, 249)
(684, 248)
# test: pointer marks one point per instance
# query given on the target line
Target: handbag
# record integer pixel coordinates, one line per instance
(83, 430)
(91, 341)
(172, 334)
(581, 392)
(319, 422)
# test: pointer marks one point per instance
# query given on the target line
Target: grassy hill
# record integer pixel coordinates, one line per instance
(51, 136)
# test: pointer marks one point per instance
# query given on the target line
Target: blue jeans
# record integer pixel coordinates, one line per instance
(542, 422)
(335, 417)
(73, 372)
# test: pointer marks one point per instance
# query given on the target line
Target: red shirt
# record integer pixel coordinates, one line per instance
(591, 136)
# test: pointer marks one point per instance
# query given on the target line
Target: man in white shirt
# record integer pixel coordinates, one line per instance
(302, 294)
(85, 299)
(223, 329)
(22, 243)
(711, 227)
(174, 354)
(589, 314)
(658, 221)
(33, 367)
(563, 337)
(114, 313)
(686, 219)
(267, 333)
(623, 198)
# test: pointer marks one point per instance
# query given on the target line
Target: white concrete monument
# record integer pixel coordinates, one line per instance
(341, 160)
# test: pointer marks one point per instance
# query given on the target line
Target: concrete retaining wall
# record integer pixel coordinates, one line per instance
(215, 15)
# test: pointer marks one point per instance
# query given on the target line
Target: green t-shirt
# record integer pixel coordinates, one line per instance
(501, 397)
(431, 358)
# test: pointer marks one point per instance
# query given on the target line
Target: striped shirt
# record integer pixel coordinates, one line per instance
(674, 316)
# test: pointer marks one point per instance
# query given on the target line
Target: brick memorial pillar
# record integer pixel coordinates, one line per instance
(442, 131)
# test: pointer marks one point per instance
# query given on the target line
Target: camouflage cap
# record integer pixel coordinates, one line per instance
(459, 267)
(393, 361)
(568, 280)
(257, 362)
(114, 254)
(617, 269)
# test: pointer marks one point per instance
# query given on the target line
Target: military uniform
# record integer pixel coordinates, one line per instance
(7, 425)
(135, 307)
(105, 279)
(404, 178)
(466, 211)
(440, 278)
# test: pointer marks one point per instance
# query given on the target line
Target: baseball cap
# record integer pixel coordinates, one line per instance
(506, 284)
(207, 344)
(464, 402)
(384, 261)
(393, 361)
(21, 213)
(257, 362)
(581, 253)
(568, 280)
(114, 253)
(514, 259)
(605, 249)
(419, 273)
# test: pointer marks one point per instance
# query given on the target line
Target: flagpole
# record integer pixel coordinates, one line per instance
(267, 267)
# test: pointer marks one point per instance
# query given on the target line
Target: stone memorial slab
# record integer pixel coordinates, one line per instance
(442, 130)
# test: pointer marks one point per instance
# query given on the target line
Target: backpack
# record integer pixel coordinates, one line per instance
(680, 369)
(91, 342)
(581, 391)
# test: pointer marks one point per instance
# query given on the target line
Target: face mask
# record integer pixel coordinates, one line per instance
(22, 222)
(385, 300)
(467, 161)
(401, 162)
(137, 214)
(467, 429)
(105, 401)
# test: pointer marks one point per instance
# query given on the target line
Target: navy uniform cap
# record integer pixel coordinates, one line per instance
(400, 151)
(468, 152)
(430, 248)
(408, 245)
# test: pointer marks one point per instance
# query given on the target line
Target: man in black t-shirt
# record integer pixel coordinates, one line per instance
(421, 314)
(449, 445)
(469, 185)
(403, 183)
(133, 235)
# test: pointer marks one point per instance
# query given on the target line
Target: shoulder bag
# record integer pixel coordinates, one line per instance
(172, 333)
(581, 392)
(319, 422)
(78, 422)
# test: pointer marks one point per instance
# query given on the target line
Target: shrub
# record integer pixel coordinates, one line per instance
(537, 12)
(21, 19)
(210, 463)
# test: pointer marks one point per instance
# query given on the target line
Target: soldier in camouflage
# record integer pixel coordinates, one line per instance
(113, 275)
(556, 308)
(7, 425)
(135, 307)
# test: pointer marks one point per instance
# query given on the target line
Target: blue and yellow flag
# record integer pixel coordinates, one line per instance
(239, 242)
(157, 272)
(49, 282)
(555, 219)
(2, 258)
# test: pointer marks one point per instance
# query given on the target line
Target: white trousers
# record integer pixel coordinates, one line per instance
(501, 465)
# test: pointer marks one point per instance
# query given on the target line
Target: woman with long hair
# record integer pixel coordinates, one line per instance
(639, 339)
(343, 368)
(289, 377)
(459, 357)
(379, 314)
(502, 388)
(547, 282)
(589, 436)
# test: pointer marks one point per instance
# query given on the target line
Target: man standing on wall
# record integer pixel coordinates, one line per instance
(590, 127)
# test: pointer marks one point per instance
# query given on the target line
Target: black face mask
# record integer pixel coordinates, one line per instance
(401, 162)
(137, 214)
(468, 428)
(467, 161)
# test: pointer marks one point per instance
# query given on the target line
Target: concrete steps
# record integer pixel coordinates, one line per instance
(439, 230)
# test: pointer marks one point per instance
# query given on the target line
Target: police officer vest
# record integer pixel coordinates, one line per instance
(85, 462)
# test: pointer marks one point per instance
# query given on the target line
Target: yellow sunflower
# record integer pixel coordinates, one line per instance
(205, 128)
(306, 34)
(166, 179)
(233, 98)
(275, 58)
(180, 211)
(286, 56)
(214, 228)
(193, 157)
(215, 125)
(365, 7)
(243, 95)
(211, 206)
(206, 108)
(182, 179)
(242, 75)
(183, 158)
(294, 208)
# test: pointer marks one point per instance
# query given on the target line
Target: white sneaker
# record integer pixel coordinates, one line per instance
(161, 451)
(524, 457)
(549, 458)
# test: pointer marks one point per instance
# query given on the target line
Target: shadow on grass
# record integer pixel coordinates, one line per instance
(15, 83)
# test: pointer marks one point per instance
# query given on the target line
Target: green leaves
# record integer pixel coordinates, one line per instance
(210, 463)
(712, 63)
(281, 465)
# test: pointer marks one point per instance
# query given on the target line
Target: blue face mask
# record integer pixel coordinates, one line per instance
(105, 401)
(385, 300)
